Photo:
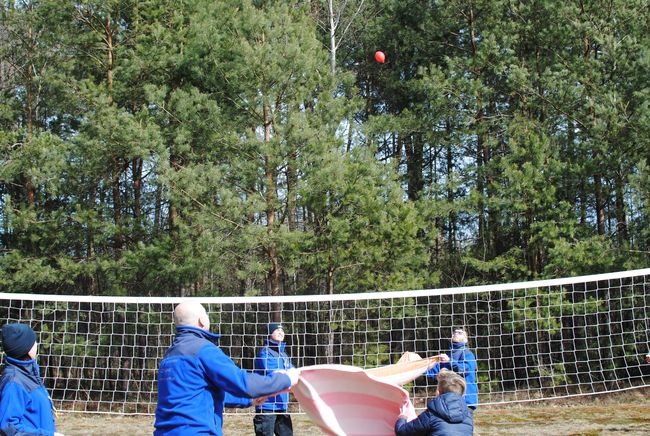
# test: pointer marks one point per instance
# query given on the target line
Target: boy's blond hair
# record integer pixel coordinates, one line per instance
(449, 381)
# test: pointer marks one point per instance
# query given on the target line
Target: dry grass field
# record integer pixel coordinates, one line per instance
(626, 413)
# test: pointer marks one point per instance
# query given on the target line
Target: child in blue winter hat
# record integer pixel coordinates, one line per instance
(25, 406)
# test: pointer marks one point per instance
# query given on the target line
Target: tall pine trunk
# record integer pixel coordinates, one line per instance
(274, 274)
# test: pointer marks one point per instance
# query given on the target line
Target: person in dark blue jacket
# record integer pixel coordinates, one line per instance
(446, 414)
(25, 406)
(463, 362)
(271, 417)
(196, 379)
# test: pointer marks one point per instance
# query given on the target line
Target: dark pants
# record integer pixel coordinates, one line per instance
(270, 424)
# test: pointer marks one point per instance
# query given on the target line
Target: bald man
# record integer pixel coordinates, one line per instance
(196, 379)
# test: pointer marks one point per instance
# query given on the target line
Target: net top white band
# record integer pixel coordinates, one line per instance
(333, 297)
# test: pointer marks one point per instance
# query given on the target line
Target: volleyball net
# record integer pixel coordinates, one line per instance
(533, 340)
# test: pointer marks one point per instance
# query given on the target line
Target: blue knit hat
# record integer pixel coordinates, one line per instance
(273, 326)
(17, 339)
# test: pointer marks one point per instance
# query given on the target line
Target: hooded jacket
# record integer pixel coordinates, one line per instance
(446, 415)
(463, 362)
(25, 406)
(272, 357)
(196, 378)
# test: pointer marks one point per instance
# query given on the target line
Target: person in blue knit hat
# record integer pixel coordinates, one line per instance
(271, 417)
(25, 405)
(463, 362)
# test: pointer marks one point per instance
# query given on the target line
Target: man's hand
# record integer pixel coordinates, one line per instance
(293, 374)
(444, 358)
(647, 358)
(259, 401)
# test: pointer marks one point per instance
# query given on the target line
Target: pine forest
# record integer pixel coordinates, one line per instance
(258, 147)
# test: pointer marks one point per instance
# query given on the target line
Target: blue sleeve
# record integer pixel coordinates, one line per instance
(236, 402)
(262, 386)
(13, 401)
(223, 372)
(435, 369)
(418, 426)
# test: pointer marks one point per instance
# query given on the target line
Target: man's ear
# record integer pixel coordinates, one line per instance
(204, 322)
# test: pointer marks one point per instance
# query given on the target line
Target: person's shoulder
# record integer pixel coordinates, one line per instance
(11, 383)
(11, 374)
(265, 349)
(210, 348)
(215, 358)
(451, 397)
(443, 401)
(6, 371)
(190, 345)
(467, 352)
(6, 377)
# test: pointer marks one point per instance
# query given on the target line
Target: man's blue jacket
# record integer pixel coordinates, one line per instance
(446, 415)
(463, 362)
(196, 378)
(272, 357)
(25, 406)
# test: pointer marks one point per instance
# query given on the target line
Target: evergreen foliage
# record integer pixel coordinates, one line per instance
(243, 147)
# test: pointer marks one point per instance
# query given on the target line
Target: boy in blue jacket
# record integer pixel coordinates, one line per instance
(446, 414)
(25, 406)
(196, 379)
(463, 362)
(272, 417)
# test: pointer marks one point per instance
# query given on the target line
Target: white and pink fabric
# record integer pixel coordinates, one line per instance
(346, 400)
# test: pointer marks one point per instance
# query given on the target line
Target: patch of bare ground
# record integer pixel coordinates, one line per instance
(626, 413)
